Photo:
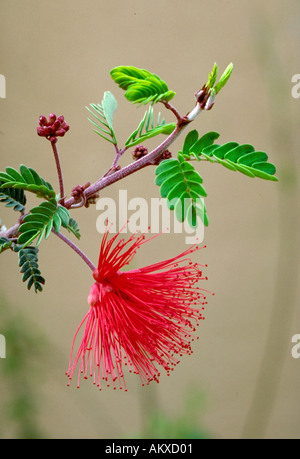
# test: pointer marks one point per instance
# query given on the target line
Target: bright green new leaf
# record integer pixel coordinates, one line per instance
(109, 105)
(104, 114)
(141, 86)
(212, 76)
(224, 78)
(211, 85)
(147, 128)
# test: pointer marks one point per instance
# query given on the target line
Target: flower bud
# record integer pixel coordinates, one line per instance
(166, 154)
(55, 127)
(60, 132)
(52, 118)
(43, 121)
(139, 152)
(43, 132)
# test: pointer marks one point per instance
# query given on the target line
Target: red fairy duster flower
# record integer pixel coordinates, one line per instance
(143, 319)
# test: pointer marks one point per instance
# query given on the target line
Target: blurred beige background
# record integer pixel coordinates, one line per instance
(56, 57)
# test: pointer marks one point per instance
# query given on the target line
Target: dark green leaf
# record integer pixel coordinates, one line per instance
(73, 228)
(13, 198)
(189, 141)
(242, 158)
(37, 179)
(15, 175)
(64, 215)
(181, 185)
(48, 228)
(33, 217)
(38, 223)
(4, 244)
(166, 165)
(162, 176)
(250, 158)
(192, 145)
(33, 225)
(56, 222)
(27, 237)
(27, 179)
(169, 184)
(221, 151)
(235, 153)
(28, 262)
(25, 172)
(205, 141)
(42, 210)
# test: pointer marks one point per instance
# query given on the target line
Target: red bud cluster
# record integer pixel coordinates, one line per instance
(139, 152)
(52, 128)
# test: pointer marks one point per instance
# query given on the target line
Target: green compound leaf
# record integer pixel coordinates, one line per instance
(147, 129)
(104, 113)
(40, 221)
(193, 146)
(4, 244)
(13, 198)
(212, 78)
(27, 179)
(181, 185)
(242, 158)
(224, 78)
(72, 227)
(28, 262)
(62, 218)
(141, 86)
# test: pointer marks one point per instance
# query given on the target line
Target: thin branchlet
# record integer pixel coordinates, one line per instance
(115, 173)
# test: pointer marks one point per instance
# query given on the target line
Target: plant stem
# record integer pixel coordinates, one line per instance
(76, 249)
(10, 232)
(119, 153)
(59, 173)
(147, 160)
(173, 110)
